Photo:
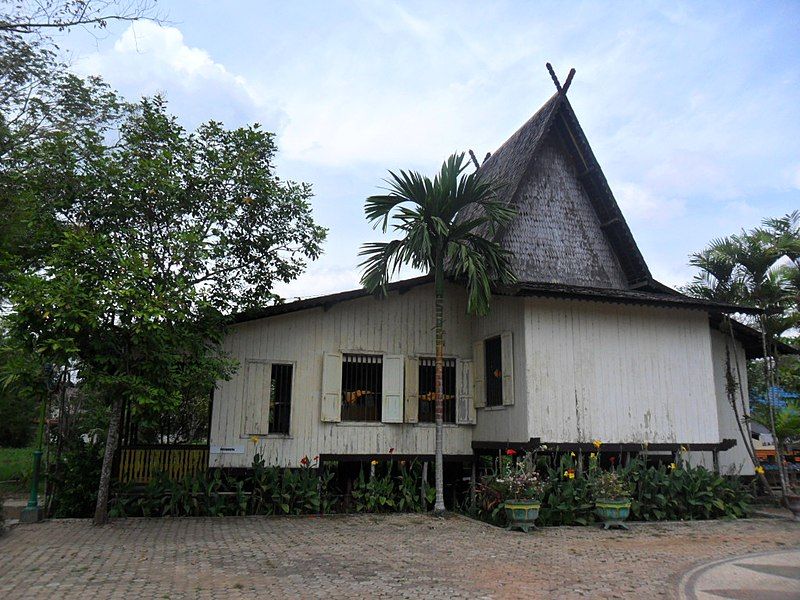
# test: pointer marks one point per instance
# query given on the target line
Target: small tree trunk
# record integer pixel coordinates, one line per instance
(101, 510)
(742, 422)
(438, 507)
(769, 366)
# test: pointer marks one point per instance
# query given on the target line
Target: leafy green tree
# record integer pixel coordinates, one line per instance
(162, 233)
(440, 235)
(757, 268)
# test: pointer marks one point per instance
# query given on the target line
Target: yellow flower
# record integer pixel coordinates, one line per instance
(572, 454)
(760, 470)
(673, 466)
(374, 462)
(254, 439)
(593, 455)
(543, 447)
(597, 444)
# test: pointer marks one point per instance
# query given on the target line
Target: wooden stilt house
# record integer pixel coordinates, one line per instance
(587, 346)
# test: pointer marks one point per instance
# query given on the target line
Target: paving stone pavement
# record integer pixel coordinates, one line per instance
(366, 556)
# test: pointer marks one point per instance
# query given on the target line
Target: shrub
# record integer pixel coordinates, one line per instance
(516, 480)
(609, 485)
(76, 485)
(390, 492)
(567, 499)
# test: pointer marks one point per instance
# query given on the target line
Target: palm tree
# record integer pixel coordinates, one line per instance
(747, 269)
(447, 226)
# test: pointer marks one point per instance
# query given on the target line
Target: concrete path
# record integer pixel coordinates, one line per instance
(372, 556)
(766, 576)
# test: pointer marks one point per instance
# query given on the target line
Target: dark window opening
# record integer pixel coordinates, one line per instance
(427, 390)
(280, 398)
(494, 371)
(362, 380)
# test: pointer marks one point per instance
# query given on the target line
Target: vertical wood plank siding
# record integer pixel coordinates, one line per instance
(398, 325)
(619, 373)
(582, 370)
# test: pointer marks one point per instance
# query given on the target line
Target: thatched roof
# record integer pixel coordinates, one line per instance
(569, 229)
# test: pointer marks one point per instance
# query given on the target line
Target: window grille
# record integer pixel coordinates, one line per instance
(280, 398)
(427, 390)
(493, 354)
(362, 381)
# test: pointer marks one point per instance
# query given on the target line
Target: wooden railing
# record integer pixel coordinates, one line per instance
(139, 464)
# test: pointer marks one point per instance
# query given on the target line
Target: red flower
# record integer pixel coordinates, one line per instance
(391, 450)
(304, 461)
(612, 459)
(511, 452)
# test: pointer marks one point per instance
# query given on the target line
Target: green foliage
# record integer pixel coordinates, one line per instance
(387, 491)
(263, 490)
(439, 232)
(515, 480)
(77, 483)
(611, 485)
(669, 494)
(658, 493)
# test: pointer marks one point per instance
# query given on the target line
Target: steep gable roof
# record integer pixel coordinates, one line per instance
(569, 228)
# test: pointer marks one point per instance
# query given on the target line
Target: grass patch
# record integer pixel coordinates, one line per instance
(16, 465)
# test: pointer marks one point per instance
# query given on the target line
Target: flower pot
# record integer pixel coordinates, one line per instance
(793, 504)
(521, 514)
(613, 511)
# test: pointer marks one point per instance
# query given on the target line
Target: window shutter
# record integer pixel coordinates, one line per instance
(256, 399)
(465, 411)
(331, 387)
(412, 389)
(392, 409)
(507, 354)
(479, 374)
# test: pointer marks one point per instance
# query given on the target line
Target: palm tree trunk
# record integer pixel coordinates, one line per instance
(438, 507)
(768, 372)
(101, 509)
(742, 421)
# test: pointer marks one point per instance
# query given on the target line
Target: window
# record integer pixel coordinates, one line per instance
(362, 380)
(493, 354)
(280, 398)
(427, 390)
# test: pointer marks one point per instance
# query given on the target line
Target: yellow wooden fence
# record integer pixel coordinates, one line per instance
(139, 464)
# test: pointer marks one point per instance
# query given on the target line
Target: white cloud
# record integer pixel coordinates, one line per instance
(148, 59)
(640, 203)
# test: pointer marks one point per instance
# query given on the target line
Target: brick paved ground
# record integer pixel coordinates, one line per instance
(407, 556)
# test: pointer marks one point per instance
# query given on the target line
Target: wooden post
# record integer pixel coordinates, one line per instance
(715, 458)
(424, 487)
(580, 462)
(472, 479)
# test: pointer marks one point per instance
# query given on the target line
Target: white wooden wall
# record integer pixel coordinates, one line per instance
(735, 460)
(582, 371)
(618, 373)
(398, 325)
(507, 423)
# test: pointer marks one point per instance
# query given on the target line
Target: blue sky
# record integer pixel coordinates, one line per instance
(693, 109)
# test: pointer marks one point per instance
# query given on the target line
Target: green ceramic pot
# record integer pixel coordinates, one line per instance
(613, 511)
(521, 514)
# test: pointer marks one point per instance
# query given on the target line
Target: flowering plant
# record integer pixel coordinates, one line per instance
(516, 481)
(610, 485)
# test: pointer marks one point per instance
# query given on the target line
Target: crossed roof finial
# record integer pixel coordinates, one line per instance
(561, 89)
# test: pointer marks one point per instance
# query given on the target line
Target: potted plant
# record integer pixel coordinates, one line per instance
(612, 499)
(519, 487)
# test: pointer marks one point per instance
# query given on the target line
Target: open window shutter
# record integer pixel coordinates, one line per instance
(256, 398)
(465, 410)
(412, 390)
(479, 374)
(331, 387)
(507, 356)
(392, 409)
